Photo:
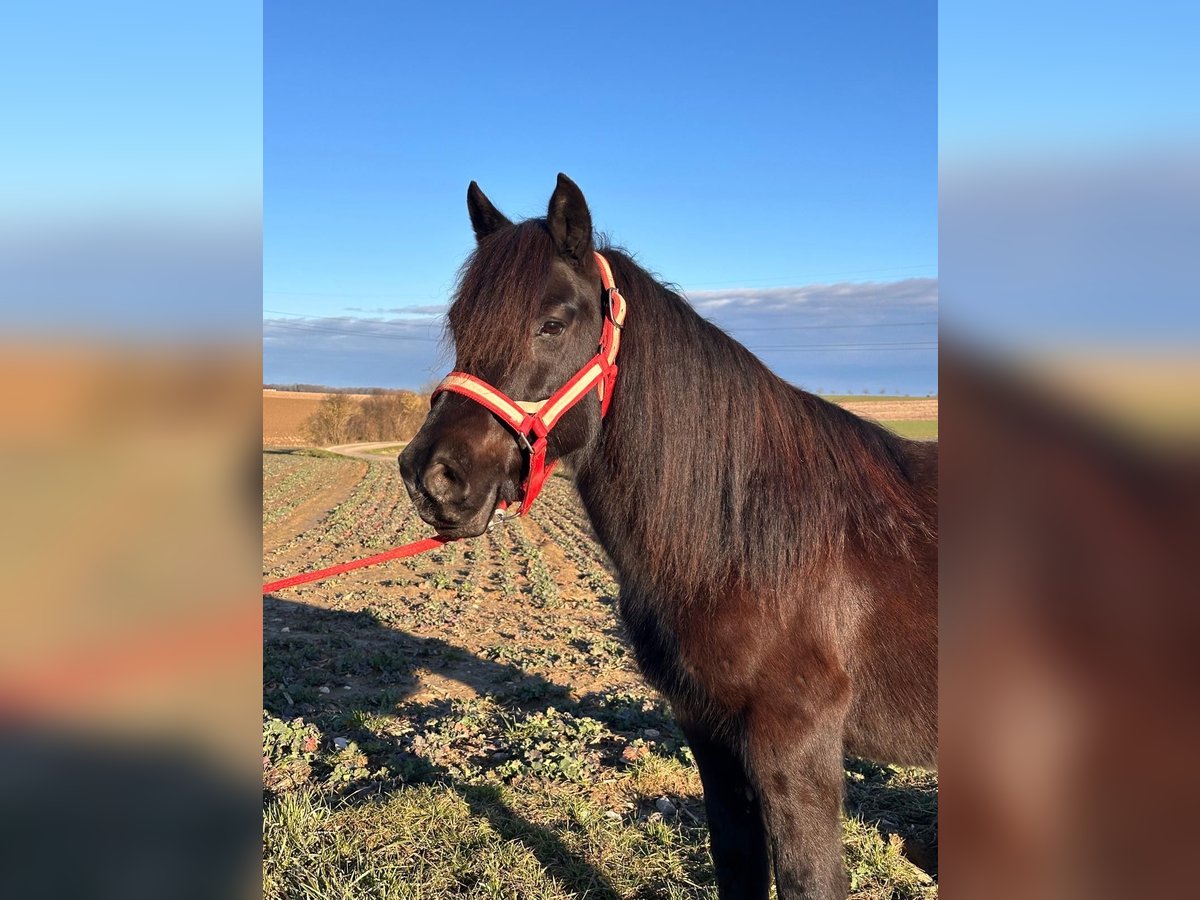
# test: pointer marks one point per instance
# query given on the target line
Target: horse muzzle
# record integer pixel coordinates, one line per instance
(458, 498)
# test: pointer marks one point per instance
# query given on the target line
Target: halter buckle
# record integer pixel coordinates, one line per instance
(610, 310)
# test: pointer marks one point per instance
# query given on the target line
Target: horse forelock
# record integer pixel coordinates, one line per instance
(497, 298)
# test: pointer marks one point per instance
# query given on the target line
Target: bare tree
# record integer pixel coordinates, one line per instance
(381, 416)
(330, 424)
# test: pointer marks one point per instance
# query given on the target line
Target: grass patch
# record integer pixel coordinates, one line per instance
(548, 841)
(391, 450)
(314, 452)
(916, 429)
(469, 723)
(482, 800)
(437, 841)
(874, 398)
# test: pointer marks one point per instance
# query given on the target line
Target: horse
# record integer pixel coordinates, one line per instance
(776, 554)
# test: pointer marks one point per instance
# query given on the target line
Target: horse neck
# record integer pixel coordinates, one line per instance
(694, 422)
(710, 472)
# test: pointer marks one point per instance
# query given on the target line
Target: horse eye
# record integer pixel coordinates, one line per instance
(552, 328)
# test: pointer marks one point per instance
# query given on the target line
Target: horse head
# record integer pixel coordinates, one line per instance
(528, 315)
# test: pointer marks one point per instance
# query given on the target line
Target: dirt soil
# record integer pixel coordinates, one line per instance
(495, 663)
(522, 585)
(284, 413)
(297, 497)
(885, 409)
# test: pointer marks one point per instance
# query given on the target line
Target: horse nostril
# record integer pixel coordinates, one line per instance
(444, 480)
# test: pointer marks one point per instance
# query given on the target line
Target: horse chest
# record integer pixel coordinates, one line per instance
(698, 659)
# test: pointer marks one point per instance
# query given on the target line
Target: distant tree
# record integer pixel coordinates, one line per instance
(387, 416)
(330, 423)
(416, 406)
(373, 421)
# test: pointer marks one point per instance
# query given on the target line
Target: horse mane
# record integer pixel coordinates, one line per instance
(701, 439)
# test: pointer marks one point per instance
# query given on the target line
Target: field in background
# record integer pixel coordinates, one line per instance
(470, 723)
(910, 417)
(284, 413)
(915, 429)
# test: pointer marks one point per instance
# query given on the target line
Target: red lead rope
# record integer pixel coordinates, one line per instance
(524, 418)
(412, 549)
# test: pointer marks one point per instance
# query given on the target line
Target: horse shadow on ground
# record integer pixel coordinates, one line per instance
(94, 813)
(308, 647)
(350, 648)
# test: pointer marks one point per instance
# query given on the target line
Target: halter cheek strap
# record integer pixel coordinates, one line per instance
(532, 420)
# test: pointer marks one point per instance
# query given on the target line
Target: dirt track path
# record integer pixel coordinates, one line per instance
(363, 451)
(331, 493)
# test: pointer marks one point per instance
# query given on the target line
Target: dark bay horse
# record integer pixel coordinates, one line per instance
(777, 554)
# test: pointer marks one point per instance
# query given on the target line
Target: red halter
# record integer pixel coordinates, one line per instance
(531, 420)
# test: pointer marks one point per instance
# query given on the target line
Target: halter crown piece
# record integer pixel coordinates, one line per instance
(532, 420)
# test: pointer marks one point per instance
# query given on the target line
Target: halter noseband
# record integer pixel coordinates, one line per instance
(532, 420)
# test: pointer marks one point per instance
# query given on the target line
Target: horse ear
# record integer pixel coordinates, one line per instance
(569, 221)
(485, 218)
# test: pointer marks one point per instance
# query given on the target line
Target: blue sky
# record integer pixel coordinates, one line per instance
(1070, 191)
(131, 175)
(1066, 77)
(130, 107)
(777, 162)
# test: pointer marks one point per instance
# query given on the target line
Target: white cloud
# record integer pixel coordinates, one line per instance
(427, 309)
(864, 303)
(839, 337)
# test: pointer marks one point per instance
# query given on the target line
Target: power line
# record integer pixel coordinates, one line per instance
(731, 283)
(307, 328)
(899, 345)
(739, 330)
(746, 282)
(844, 347)
(864, 344)
(284, 312)
(379, 296)
(315, 326)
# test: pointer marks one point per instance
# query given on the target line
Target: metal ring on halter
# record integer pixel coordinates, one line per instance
(524, 439)
(610, 311)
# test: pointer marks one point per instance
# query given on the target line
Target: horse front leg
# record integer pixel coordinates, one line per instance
(794, 753)
(737, 836)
